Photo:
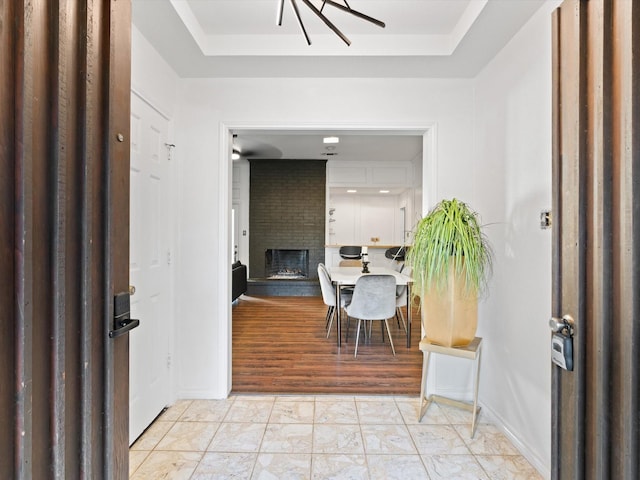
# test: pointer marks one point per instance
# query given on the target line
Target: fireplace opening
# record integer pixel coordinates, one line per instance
(286, 264)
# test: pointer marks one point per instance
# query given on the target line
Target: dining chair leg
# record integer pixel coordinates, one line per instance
(390, 339)
(400, 317)
(333, 314)
(328, 317)
(357, 338)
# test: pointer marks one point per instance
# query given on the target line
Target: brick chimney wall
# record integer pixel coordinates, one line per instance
(286, 210)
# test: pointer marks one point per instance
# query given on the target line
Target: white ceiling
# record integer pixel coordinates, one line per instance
(305, 145)
(241, 38)
(370, 146)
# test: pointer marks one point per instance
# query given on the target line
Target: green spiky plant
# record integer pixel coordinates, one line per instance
(450, 234)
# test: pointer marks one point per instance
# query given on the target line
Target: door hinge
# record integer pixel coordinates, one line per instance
(169, 362)
(168, 257)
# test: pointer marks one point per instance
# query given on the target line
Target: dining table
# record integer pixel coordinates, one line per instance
(347, 276)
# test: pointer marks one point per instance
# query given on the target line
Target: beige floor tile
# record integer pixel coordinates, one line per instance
(508, 467)
(250, 410)
(454, 467)
(488, 440)
(173, 413)
(136, 457)
(287, 438)
(238, 437)
(152, 436)
(322, 437)
(460, 416)
(374, 398)
(282, 466)
(292, 412)
(189, 436)
(168, 466)
(387, 439)
(339, 467)
(378, 411)
(222, 466)
(207, 410)
(335, 398)
(337, 411)
(410, 409)
(337, 439)
(396, 467)
(437, 439)
(295, 398)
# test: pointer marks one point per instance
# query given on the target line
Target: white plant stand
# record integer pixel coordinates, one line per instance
(473, 352)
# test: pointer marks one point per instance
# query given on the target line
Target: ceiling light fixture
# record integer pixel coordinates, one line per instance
(384, 191)
(331, 140)
(351, 191)
(318, 12)
(235, 155)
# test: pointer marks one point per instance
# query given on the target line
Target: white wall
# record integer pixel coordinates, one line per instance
(501, 166)
(151, 77)
(513, 185)
(206, 104)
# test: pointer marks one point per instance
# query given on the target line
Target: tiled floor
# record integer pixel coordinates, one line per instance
(321, 437)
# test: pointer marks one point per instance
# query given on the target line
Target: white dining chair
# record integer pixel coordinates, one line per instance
(374, 298)
(329, 296)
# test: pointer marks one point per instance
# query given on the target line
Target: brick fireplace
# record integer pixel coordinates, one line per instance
(287, 215)
(286, 264)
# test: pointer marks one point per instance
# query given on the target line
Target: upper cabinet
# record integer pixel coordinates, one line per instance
(364, 174)
(358, 212)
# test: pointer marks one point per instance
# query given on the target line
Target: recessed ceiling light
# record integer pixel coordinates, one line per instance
(351, 191)
(331, 140)
(384, 191)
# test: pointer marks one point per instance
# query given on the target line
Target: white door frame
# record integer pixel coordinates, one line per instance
(429, 187)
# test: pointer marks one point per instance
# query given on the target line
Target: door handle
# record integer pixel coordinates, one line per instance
(122, 321)
(132, 289)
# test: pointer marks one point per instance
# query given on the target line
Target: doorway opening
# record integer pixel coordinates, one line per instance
(427, 193)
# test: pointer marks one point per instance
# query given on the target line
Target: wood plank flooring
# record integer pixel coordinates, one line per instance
(280, 346)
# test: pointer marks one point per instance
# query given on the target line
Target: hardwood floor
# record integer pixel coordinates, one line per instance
(280, 346)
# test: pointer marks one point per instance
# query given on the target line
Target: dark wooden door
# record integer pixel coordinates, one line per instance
(64, 223)
(596, 239)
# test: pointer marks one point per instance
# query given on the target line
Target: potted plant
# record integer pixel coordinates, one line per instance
(452, 261)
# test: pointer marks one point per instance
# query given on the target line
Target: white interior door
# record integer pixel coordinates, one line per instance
(150, 259)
